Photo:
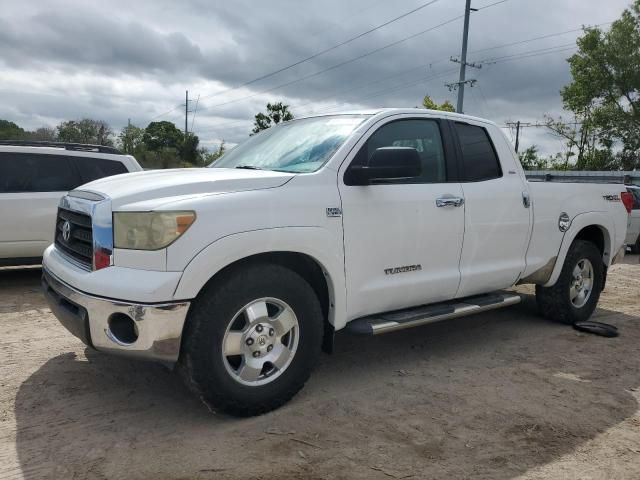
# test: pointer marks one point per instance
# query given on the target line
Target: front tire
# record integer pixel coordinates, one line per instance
(575, 295)
(253, 336)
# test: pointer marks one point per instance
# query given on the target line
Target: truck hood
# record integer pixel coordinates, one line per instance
(161, 186)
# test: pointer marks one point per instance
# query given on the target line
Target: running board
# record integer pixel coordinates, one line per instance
(413, 317)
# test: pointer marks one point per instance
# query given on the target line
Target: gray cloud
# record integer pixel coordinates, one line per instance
(71, 58)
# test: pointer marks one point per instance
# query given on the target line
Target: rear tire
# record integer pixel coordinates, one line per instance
(252, 338)
(635, 248)
(575, 295)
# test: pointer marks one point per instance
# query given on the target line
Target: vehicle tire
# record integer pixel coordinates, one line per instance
(575, 295)
(252, 338)
(635, 248)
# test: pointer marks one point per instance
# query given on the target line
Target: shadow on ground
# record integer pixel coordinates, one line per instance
(490, 396)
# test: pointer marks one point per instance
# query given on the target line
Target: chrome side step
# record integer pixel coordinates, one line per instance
(413, 317)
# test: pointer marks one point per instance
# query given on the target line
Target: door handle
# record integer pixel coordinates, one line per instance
(449, 202)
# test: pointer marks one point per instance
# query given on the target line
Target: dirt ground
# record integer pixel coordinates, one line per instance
(499, 395)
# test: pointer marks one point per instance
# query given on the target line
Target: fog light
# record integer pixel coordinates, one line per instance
(122, 328)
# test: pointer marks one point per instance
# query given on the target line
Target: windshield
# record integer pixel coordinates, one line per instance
(300, 146)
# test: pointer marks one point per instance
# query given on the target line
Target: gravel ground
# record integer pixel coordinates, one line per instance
(500, 395)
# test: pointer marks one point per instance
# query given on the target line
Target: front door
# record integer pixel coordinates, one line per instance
(401, 248)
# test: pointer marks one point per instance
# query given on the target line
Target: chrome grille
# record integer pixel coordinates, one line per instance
(76, 239)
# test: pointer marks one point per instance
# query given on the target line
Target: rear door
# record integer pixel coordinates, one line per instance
(497, 219)
(31, 186)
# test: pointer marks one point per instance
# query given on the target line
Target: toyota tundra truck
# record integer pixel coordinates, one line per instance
(239, 274)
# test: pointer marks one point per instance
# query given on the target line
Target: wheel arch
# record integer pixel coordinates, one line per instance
(300, 249)
(593, 227)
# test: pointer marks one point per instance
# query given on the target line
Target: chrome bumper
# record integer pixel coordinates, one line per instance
(158, 327)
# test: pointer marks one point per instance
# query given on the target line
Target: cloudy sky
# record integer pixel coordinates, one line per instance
(117, 60)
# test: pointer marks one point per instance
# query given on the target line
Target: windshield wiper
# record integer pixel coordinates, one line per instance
(248, 167)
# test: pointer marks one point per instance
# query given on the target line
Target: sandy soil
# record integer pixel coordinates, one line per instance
(500, 395)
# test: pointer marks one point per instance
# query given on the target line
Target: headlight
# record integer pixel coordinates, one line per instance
(149, 230)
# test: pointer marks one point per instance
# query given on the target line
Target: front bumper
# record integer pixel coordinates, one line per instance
(158, 327)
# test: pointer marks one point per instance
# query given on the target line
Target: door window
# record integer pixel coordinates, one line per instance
(478, 155)
(29, 172)
(94, 168)
(421, 134)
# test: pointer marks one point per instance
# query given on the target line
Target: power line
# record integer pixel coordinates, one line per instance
(495, 47)
(530, 55)
(490, 60)
(550, 35)
(195, 112)
(525, 54)
(326, 50)
(492, 4)
(340, 64)
(357, 99)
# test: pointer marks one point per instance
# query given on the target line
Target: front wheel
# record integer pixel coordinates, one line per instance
(252, 338)
(575, 295)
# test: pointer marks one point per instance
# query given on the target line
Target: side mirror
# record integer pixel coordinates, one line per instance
(387, 163)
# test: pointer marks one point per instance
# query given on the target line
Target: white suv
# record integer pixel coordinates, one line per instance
(33, 178)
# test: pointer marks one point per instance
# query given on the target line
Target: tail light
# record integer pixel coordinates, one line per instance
(627, 200)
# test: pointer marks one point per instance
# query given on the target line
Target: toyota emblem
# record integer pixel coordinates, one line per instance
(66, 231)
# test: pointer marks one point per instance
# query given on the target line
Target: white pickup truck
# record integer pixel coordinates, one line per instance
(240, 274)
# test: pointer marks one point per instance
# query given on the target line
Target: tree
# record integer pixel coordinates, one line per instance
(276, 113)
(581, 140)
(605, 90)
(428, 103)
(130, 139)
(159, 135)
(189, 149)
(43, 134)
(210, 157)
(95, 132)
(11, 131)
(530, 160)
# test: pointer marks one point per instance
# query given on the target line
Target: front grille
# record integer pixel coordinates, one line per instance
(79, 244)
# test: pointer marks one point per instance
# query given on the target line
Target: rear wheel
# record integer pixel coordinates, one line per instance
(576, 293)
(252, 339)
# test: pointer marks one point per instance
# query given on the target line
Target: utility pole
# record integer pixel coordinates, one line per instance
(186, 112)
(462, 81)
(463, 57)
(519, 126)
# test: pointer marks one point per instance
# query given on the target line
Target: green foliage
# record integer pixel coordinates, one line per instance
(161, 135)
(43, 134)
(427, 102)
(189, 149)
(531, 160)
(130, 139)
(86, 130)
(11, 131)
(210, 157)
(276, 113)
(605, 93)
